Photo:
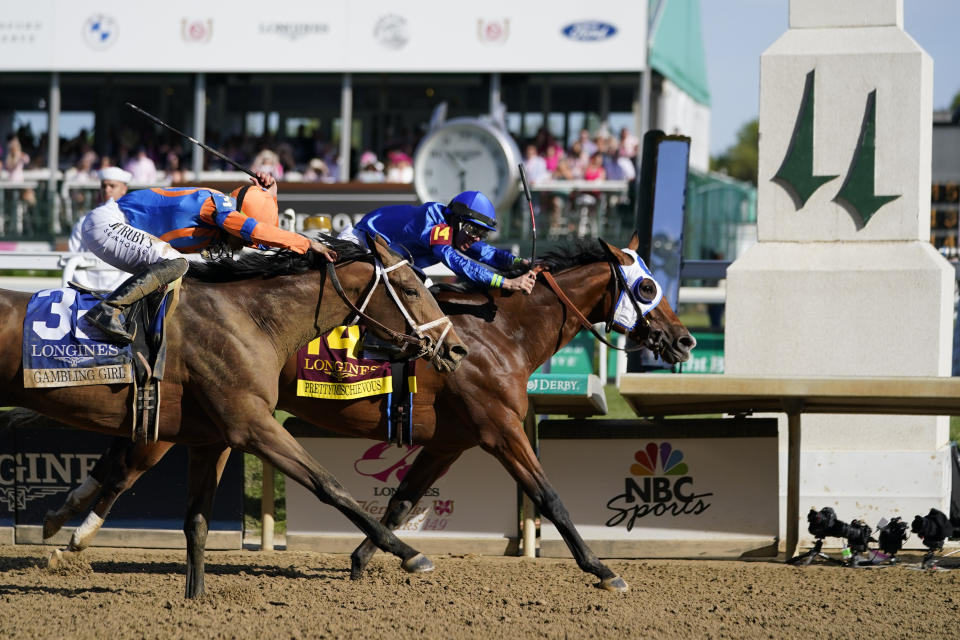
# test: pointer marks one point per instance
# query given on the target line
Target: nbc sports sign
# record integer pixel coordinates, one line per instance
(684, 490)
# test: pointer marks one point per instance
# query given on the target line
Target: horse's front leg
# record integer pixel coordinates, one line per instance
(274, 444)
(205, 468)
(423, 472)
(512, 448)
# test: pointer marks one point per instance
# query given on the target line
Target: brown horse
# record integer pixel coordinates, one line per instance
(236, 324)
(482, 403)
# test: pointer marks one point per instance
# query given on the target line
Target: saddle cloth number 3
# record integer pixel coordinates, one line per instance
(60, 311)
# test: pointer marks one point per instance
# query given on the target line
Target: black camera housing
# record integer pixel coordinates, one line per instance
(824, 524)
(932, 529)
(892, 536)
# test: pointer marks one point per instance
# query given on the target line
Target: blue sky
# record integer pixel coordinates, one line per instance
(736, 32)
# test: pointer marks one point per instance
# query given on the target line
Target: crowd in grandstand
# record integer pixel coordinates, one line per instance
(151, 158)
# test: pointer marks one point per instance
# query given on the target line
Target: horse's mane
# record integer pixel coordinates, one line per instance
(267, 264)
(565, 256)
(573, 254)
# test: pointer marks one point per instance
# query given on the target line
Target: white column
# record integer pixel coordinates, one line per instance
(53, 149)
(346, 125)
(199, 121)
(843, 279)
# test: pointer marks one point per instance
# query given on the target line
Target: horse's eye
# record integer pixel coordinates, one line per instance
(411, 292)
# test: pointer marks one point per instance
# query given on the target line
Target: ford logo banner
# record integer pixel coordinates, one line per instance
(589, 31)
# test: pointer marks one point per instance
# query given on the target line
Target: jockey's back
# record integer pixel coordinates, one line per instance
(182, 217)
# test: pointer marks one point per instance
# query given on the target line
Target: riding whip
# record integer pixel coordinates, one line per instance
(197, 142)
(533, 219)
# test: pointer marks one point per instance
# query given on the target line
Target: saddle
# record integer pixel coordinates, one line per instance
(145, 319)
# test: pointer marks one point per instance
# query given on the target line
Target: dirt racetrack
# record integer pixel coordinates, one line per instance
(122, 593)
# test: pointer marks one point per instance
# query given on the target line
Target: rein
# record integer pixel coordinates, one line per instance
(586, 324)
(397, 336)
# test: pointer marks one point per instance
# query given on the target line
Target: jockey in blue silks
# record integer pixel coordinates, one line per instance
(449, 233)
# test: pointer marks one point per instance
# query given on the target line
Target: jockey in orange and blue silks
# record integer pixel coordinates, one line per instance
(452, 234)
(146, 232)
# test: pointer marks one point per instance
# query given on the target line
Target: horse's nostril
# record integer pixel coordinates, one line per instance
(687, 341)
(459, 351)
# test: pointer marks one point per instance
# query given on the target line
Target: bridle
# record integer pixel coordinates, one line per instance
(421, 339)
(619, 283)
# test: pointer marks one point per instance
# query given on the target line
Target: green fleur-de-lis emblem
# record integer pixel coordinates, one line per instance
(796, 172)
(857, 194)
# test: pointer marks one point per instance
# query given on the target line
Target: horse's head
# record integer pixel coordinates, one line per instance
(437, 338)
(642, 312)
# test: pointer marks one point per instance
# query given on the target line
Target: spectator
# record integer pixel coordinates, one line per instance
(15, 160)
(317, 171)
(172, 167)
(371, 169)
(268, 162)
(629, 143)
(552, 158)
(534, 165)
(595, 170)
(399, 168)
(141, 168)
(579, 159)
(587, 146)
(85, 169)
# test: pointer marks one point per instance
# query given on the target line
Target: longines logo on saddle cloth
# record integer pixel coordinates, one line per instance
(62, 349)
(347, 364)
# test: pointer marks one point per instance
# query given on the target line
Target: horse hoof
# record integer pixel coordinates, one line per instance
(55, 559)
(616, 583)
(52, 523)
(418, 564)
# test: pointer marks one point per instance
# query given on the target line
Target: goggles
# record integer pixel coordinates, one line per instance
(474, 230)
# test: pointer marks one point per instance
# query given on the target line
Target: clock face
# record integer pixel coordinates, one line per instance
(467, 155)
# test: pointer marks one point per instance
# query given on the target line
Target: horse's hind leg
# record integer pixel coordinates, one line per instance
(115, 472)
(80, 498)
(514, 452)
(205, 468)
(425, 469)
(275, 445)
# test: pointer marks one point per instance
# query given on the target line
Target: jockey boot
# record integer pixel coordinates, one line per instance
(106, 314)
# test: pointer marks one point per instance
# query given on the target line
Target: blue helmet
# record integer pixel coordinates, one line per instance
(474, 207)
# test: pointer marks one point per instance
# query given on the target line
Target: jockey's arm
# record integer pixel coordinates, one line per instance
(256, 233)
(475, 272)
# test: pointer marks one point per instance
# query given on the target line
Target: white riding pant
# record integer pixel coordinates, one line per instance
(107, 235)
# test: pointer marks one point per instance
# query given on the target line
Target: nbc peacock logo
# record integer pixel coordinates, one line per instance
(659, 484)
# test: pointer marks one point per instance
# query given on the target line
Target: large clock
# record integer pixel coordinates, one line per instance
(466, 154)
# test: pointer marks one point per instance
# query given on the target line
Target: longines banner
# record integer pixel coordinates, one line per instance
(333, 36)
(39, 466)
(476, 498)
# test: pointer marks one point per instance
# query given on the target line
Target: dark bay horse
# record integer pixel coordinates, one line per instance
(236, 324)
(481, 403)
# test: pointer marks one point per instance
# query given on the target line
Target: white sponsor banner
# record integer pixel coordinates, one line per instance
(665, 488)
(476, 498)
(334, 36)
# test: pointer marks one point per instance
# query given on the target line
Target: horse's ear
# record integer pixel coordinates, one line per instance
(614, 253)
(634, 242)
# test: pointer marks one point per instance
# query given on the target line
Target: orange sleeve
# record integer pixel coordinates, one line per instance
(253, 232)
